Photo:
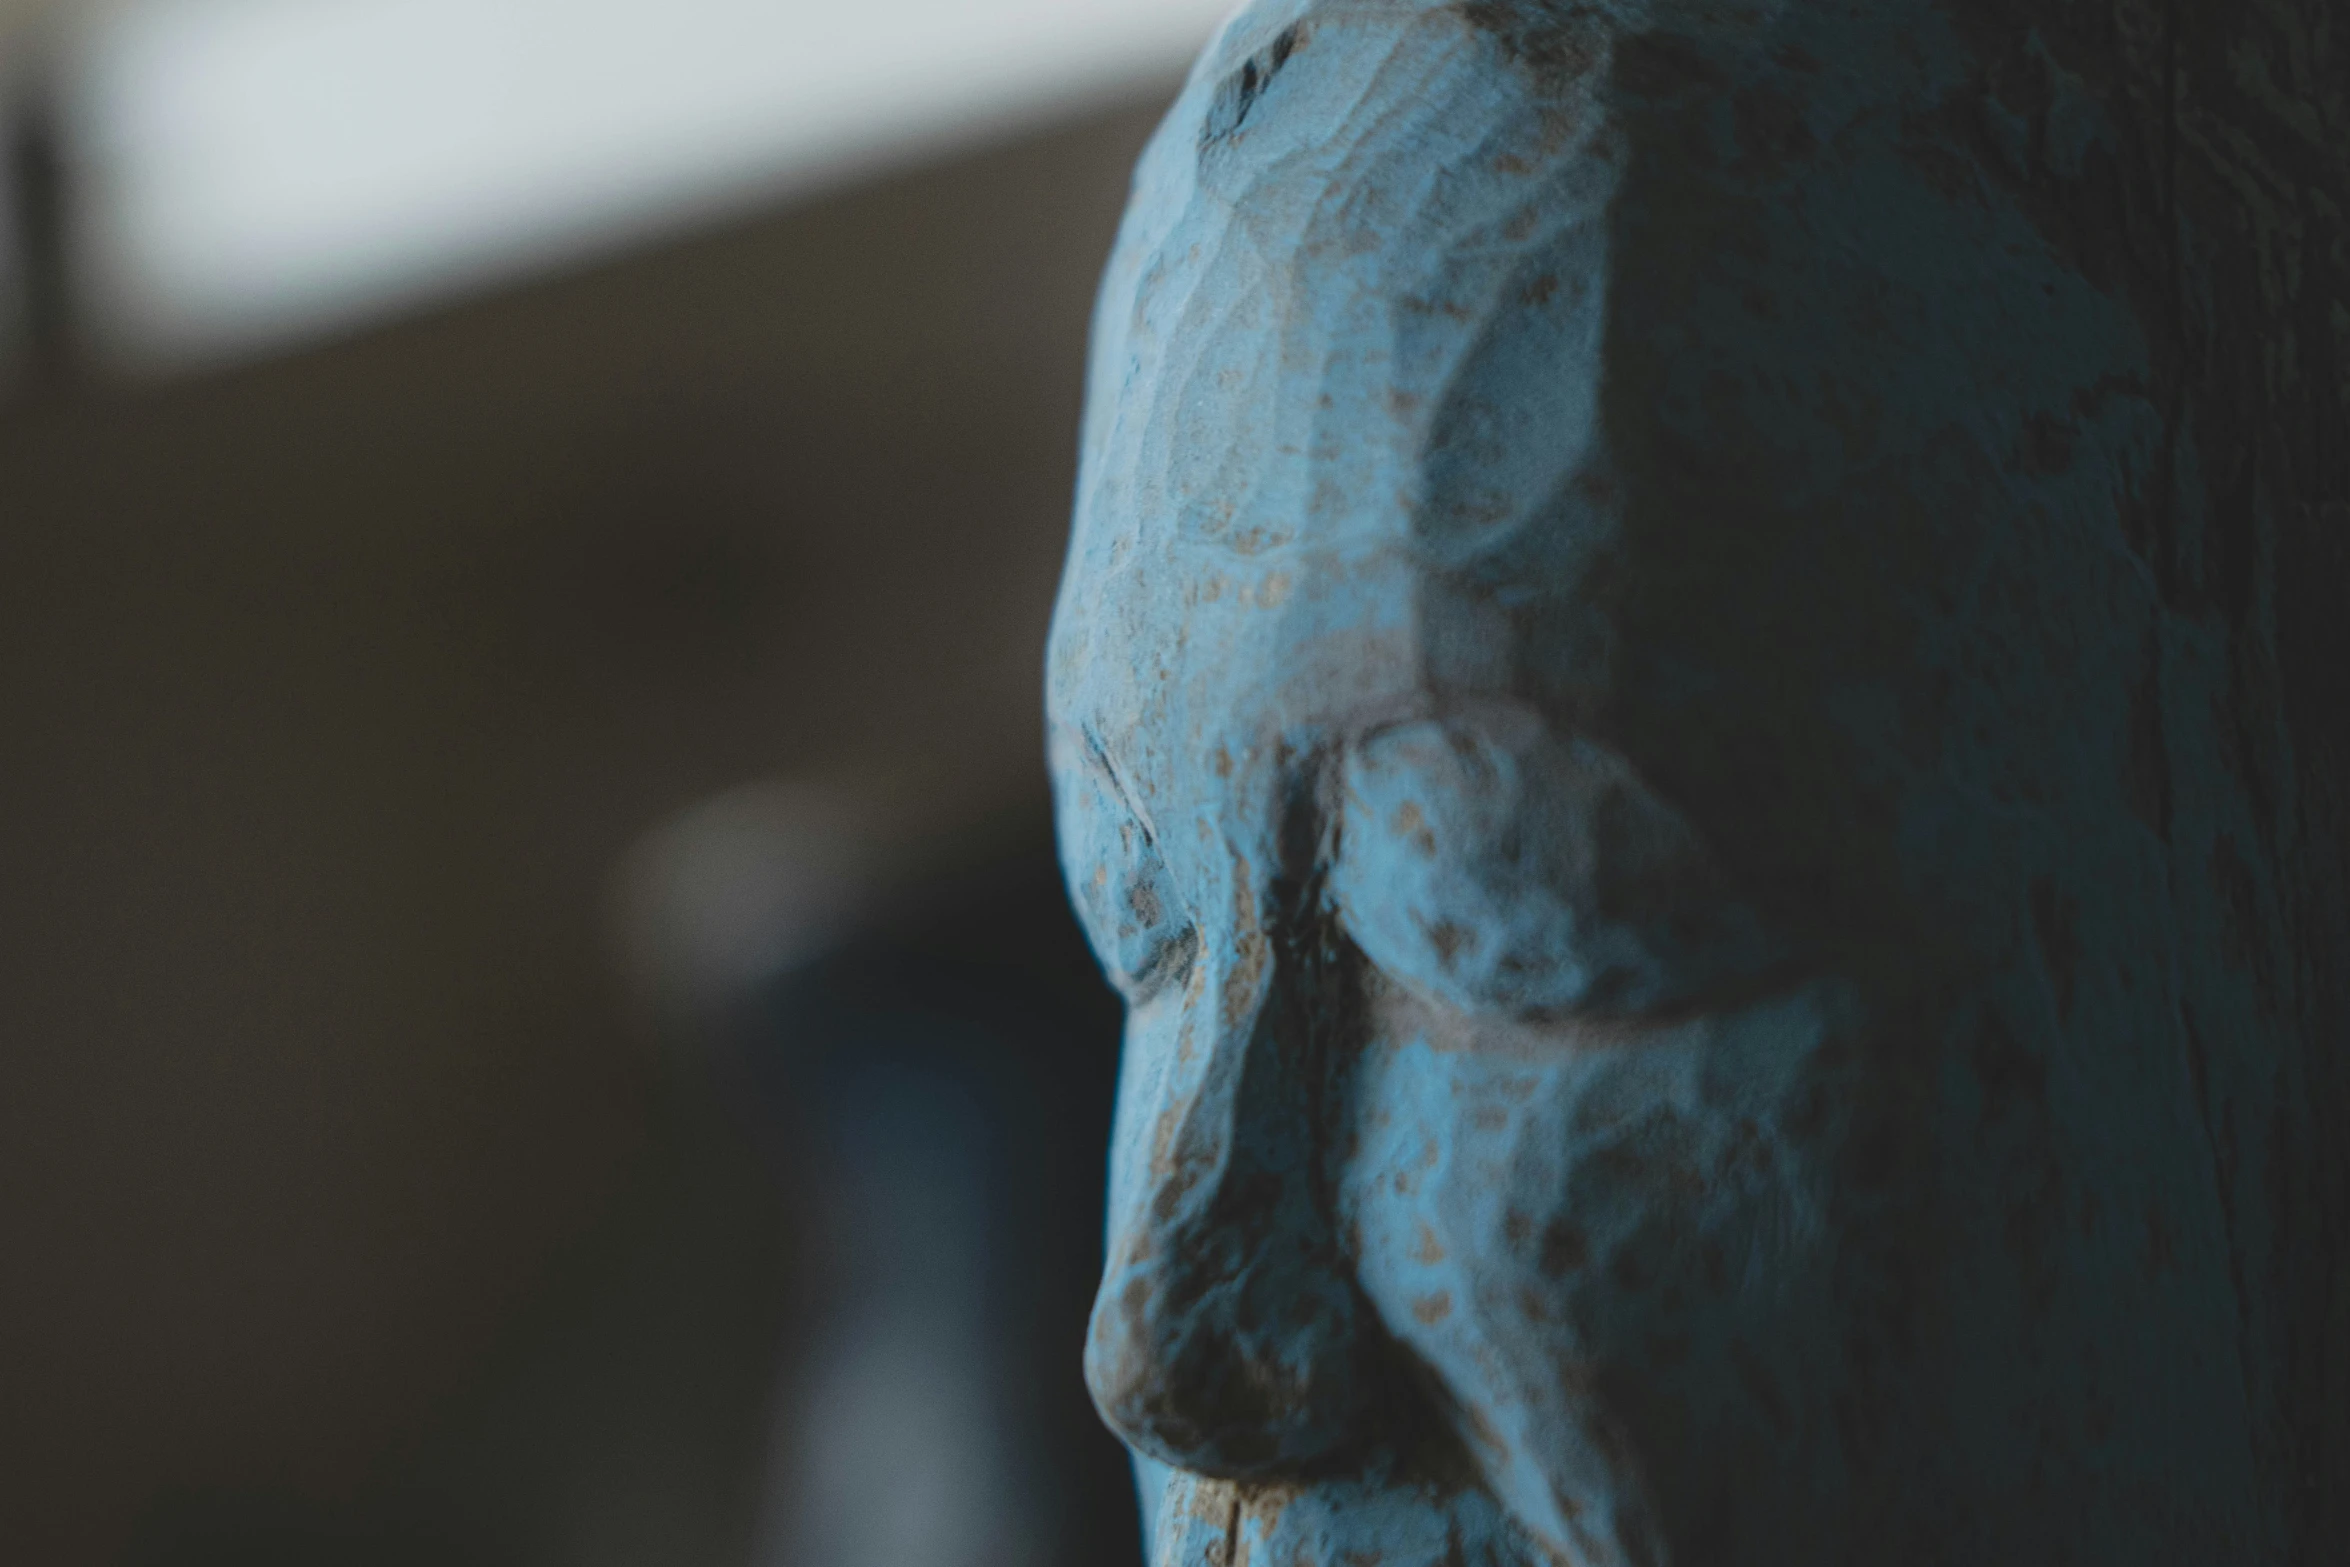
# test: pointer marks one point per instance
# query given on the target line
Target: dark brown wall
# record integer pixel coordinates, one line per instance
(332, 691)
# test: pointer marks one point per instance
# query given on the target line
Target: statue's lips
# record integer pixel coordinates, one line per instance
(1393, 1522)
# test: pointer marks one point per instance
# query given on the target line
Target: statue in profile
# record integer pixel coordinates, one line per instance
(1678, 709)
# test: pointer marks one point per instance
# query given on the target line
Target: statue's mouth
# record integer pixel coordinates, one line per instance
(1385, 1518)
(1198, 1522)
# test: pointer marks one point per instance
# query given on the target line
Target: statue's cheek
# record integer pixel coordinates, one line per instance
(1477, 1209)
(1457, 1210)
(1614, 1260)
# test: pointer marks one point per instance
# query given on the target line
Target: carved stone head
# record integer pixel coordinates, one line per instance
(1596, 711)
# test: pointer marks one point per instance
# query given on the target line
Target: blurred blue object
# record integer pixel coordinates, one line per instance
(940, 1091)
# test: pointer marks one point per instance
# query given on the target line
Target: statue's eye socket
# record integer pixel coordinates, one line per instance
(1127, 901)
(1495, 867)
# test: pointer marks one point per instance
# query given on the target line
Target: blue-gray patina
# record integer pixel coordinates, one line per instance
(1597, 710)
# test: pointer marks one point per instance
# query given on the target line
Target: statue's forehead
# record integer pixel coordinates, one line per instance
(1346, 345)
(1358, 305)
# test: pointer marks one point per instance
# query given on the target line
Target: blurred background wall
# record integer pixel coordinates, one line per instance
(429, 710)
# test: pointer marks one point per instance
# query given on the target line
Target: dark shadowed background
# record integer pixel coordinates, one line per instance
(497, 790)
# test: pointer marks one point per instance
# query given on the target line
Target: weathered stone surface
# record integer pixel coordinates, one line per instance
(1698, 702)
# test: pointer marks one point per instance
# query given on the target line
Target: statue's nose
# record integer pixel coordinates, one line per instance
(1229, 1338)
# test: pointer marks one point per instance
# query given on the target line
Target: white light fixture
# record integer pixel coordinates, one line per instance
(258, 171)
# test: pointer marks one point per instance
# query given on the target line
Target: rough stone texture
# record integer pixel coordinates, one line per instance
(1698, 701)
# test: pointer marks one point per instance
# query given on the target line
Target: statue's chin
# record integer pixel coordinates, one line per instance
(1387, 1519)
